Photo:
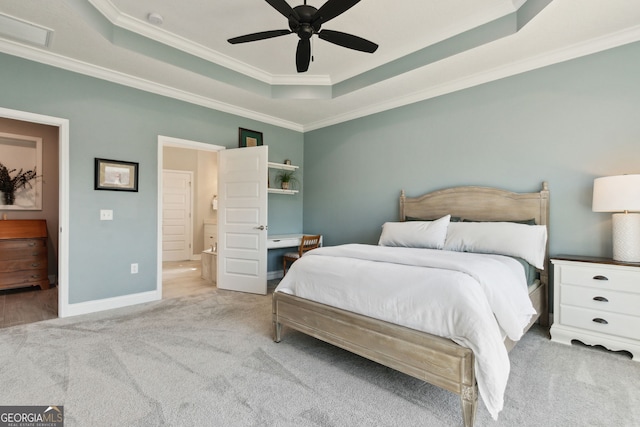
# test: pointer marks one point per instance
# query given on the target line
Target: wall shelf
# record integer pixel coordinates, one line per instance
(281, 191)
(281, 166)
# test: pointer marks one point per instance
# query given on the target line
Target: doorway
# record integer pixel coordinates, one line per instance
(182, 277)
(62, 227)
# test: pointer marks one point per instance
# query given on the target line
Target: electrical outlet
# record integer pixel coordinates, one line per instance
(134, 268)
(106, 215)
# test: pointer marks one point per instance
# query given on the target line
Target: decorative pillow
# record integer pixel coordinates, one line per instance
(504, 238)
(415, 234)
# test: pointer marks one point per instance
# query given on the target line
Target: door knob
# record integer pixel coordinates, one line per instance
(262, 227)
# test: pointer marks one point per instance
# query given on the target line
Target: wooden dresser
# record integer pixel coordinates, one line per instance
(23, 253)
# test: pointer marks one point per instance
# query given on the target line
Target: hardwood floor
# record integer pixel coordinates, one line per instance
(28, 305)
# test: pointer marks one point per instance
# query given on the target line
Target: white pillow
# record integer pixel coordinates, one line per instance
(415, 234)
(504, 238)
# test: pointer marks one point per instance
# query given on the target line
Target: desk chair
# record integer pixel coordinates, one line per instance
(306, 244)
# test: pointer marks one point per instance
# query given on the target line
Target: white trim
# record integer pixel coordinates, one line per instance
(168, 141)
(549, 58)
(620, 38)
(141, 27)
(59, 61)
(111, 303)
(63, 197)
(275, 274)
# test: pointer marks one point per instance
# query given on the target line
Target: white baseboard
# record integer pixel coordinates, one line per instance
(276, 274)
(127, 300)
(110, 303)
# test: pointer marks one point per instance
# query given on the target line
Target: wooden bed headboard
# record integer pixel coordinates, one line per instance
(481, 204)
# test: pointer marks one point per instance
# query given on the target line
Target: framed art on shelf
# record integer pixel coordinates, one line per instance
(116, 175)
(249, 138)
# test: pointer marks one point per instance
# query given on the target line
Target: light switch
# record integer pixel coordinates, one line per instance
(106, 215)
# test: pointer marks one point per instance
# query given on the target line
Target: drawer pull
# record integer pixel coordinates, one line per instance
(601, 321)
(35, 276)
(599, 277)
(35, 264)
(603, 299)
(32, 243)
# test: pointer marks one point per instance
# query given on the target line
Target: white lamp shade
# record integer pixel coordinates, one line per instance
(616, 193)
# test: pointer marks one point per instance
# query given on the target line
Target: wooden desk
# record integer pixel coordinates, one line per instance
(277, 241)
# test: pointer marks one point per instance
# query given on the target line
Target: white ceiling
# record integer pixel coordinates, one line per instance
(192, 61)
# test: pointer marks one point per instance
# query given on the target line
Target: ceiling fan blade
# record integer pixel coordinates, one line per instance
(331, 9)
(283, 7)
(258, 36)
(303, 55)
(348, 40)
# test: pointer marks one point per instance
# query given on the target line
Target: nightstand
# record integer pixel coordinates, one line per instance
(597, 301)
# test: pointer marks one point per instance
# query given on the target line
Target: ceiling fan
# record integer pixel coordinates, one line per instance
(305, 21)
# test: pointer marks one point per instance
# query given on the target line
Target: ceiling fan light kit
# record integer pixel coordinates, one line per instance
(305, 21)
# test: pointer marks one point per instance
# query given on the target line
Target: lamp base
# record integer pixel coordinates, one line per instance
(626, 237)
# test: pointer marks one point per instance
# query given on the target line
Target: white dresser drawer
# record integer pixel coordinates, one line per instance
(600, 299)
(596, 301)
(599, 321)
(600, 276)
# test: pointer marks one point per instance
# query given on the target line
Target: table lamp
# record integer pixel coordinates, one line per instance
(621, 194)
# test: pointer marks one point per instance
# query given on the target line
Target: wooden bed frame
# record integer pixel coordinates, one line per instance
(430, 358)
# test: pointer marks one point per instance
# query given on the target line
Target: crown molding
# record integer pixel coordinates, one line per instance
(140, 27)
(590, 47)
(80, 67)
(620, 38)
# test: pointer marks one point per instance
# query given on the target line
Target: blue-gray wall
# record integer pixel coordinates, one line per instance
(565, 124)
(115, 122)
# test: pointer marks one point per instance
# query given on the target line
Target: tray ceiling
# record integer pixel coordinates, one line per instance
(427, 48)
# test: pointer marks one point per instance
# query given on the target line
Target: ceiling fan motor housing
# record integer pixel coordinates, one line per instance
(304, 27)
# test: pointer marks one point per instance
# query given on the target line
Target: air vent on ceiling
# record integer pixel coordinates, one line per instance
(23, 31)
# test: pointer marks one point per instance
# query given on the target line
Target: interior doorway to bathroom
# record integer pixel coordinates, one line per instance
(179, 263)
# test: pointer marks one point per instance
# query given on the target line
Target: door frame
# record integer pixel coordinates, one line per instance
(168, 141)
(63, 196)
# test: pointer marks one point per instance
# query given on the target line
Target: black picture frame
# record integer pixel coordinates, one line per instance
(116, 175)
(249, 138)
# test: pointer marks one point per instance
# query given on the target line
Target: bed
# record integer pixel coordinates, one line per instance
(431, 358)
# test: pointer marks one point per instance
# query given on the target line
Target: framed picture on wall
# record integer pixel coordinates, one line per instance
(116, 175)
(20, 172)
(249, 138)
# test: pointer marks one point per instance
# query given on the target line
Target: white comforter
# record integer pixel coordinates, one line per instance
(456, 295)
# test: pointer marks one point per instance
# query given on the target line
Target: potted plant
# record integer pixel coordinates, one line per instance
(286, 179)
(9, 185)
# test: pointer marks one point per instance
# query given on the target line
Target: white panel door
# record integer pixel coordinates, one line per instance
(242, 219)
(176, 215)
